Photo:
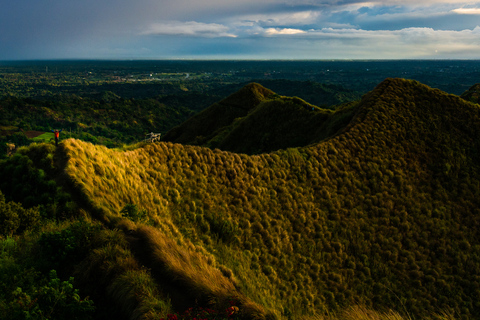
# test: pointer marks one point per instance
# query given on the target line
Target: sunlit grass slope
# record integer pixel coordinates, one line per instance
(385, 214)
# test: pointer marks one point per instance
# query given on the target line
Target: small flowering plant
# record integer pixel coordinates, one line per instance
(199, 313)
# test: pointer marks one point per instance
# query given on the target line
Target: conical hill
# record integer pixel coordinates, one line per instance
(472, 94)
(434, 132)
(255, 120)
(207, 123)
(384, 214)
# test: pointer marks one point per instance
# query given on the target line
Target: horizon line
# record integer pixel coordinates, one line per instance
(233, 59)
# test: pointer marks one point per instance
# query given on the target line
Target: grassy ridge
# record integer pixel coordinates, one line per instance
(256, 120)
(384, 214)
(472, 94)
(204, 126)
(282, 123)
(320, 94)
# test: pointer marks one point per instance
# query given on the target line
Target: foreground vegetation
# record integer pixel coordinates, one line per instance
(383, 214)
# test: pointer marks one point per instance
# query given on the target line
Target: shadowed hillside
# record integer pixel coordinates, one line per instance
(205, 125)
(384, 214)
(472, 94)
(320, 94)
(255, 120)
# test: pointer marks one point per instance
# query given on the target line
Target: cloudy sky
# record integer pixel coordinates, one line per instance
(239, 29)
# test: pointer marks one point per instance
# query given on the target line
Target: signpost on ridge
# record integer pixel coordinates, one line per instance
(152, 137)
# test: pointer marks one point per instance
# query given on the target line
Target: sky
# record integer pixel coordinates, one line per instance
(239, 29)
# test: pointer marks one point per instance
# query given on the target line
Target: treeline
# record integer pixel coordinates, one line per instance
(111, 121)
(113, 113)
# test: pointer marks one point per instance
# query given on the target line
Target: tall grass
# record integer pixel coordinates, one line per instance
(112, 273)
(197, 275)
(384, 214)
(363, 313)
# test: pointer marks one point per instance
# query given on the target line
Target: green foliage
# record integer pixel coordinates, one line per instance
(14, 219)
(323, 95)
(46, 137)
(226, 230)
(28, 177)
(26, 293)
(37, 298)
(472, 94)
(132, 212)
(68, 245)
(105, 121)
(119, 285)
(383, 212)
(205, 125)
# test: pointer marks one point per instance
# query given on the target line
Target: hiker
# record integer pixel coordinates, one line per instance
(56, 133)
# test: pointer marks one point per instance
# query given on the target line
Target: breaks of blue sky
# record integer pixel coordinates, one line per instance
(239, 29)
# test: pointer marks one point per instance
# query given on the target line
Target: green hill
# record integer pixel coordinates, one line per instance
(383, 214)
(320, 94)
(255, 120)
(205, 125)
(472, 94)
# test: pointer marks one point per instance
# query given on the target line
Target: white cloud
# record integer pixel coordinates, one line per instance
(467, 10)
(190, 28)
(350, 43)
(408, 2)
(284, 31)
(405, 43)
(406, 35)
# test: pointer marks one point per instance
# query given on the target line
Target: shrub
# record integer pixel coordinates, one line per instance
(225, 229)
(45, 299)
(70, 244)
(132, 212)
(14, 219)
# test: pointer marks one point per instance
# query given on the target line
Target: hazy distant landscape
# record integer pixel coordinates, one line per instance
(278, 190)
(452, 76)
(177, 89)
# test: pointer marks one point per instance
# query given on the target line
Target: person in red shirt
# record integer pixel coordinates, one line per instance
(56, 133)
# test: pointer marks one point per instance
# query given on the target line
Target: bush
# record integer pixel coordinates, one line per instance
(131, 211)
(27, 179)
(45, 299)
(71, 244)
(14, 219)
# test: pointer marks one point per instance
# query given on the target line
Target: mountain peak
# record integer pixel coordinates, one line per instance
(247, 97)
(203, 126)
(256, 120)
(472, 94)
